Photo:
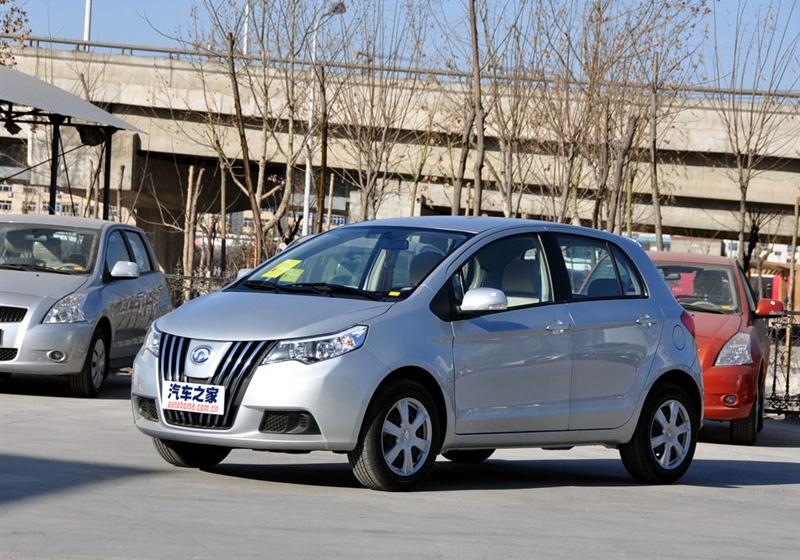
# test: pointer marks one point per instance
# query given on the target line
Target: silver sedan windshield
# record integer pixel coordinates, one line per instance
(47, 248)
(366, 261)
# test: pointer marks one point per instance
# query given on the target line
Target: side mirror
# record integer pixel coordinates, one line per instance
(243, 272)
(125, 269)
(484, 299)
(769, 308)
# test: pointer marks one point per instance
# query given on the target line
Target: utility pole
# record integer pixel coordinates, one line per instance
(87, 22)
(653, 154)
(246, 29)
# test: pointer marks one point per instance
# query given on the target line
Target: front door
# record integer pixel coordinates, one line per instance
(121, 293)
(513, 367)
(616, 333)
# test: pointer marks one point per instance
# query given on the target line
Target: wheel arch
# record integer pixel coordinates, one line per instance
(104, 325)
(683, 380)
(424, 378)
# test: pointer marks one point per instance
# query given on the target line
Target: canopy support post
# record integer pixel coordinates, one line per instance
(107, 172)
(55, 142)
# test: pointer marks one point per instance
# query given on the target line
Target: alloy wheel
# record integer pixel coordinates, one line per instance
(671, 434)
(407, 437)
(98, 362)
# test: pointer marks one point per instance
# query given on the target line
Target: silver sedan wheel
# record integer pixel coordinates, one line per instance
(407, 437)
(98, 362)
(671, 434)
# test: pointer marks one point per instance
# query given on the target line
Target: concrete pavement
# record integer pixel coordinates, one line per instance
(78, 481)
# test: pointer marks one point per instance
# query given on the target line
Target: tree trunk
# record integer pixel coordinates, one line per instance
(619, 172)
(477, 169)
(466, 133)
(323, 164)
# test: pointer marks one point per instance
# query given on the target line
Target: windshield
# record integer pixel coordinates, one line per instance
(376, 262)
(47, 248)
(702, 287)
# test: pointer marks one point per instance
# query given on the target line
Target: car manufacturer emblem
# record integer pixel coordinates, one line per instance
(200, 354)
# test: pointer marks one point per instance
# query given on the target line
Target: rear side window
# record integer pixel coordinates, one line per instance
(597, 269)
(140, 253)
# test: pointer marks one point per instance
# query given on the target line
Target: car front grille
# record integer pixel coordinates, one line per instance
(7, 354)
(12, 314)
(234, 372)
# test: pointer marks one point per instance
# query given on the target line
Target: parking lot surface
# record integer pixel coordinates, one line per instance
(78, 481)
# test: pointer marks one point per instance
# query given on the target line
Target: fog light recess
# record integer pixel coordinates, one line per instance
(56, 355)
(730, 400)
(288, 422)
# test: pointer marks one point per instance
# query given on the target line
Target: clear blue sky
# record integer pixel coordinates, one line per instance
(125, 21)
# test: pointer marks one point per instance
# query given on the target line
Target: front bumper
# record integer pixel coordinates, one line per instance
(740, 381)
(335, 392)
(34, 341)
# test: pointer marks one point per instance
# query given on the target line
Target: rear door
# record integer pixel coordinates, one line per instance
(512, 367)
(617, 328)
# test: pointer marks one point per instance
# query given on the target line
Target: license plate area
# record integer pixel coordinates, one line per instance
(182, 396)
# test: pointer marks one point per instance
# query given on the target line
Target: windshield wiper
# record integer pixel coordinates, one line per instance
(331, 290)
(702, 309)
(259, 285)
(33, 268)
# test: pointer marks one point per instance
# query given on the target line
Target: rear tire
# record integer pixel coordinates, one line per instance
(400, 438)
(468, 456)
(89, 382)
(190, 455)
(663, 444)
(744, 431)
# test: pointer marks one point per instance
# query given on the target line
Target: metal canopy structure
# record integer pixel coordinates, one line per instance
(26, 99)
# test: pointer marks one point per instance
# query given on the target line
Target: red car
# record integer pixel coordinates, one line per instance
(731, 334)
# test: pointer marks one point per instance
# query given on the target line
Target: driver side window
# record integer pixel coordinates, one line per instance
(516, 265)
(116, 250)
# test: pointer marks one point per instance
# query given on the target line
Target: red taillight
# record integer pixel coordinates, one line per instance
(688, 322)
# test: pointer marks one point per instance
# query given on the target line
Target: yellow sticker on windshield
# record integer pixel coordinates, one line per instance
(281, 268)
(292, 275)
(394, 294)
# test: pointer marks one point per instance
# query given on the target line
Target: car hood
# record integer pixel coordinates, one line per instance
(234, 316)
(23, 285)
(712, 331)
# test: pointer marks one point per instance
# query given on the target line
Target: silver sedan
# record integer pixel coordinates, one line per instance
(76, 297)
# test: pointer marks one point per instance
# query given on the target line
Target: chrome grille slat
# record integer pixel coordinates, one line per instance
(233, 372)
(10, 314)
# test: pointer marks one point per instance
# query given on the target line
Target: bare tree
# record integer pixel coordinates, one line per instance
(752, 76)
(376, 98)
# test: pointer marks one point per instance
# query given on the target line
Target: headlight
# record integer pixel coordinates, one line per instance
(736, 351)
(310, 350)
(152, 341)
(68, 310)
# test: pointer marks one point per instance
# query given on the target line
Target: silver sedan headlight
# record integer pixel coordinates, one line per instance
(310, 350)
(67, 310)
(152, 341)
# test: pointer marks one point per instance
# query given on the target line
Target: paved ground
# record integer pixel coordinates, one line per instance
(78, 481)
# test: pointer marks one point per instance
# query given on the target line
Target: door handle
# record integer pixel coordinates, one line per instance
(557, 327)
(644, 320)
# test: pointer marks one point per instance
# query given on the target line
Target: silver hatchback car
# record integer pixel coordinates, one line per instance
(76, 297)
(396, 340)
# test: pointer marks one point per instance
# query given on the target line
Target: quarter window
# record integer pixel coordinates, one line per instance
(516, 265)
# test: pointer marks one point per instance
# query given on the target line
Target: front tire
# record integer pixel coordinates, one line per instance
(663, 444)
(744, 431)
(190, 455)
(400, 439)
(468, 456)
(89, 382)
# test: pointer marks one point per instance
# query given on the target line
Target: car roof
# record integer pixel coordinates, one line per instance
(466, 224)
(58, 221)
(689, 258)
